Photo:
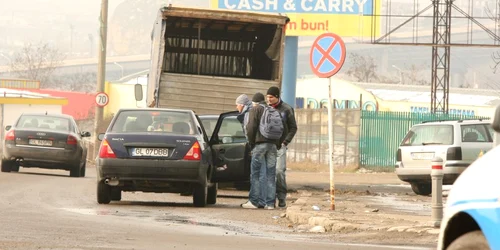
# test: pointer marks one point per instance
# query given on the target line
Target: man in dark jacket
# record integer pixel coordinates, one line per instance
(264, 155)
(288, 115)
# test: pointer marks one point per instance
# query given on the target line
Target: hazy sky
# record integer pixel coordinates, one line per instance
(59, 22)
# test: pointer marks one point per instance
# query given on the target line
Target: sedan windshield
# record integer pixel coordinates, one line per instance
(176, 122)
(43, 122)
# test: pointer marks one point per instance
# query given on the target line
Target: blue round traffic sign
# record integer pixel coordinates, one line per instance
(327, 55)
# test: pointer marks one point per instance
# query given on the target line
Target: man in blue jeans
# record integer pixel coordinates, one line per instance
(287, 113)
(264, 154)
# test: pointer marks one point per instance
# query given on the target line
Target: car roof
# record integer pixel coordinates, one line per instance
(157, 109)
(48, 115)
(209, 116)
(214, 117)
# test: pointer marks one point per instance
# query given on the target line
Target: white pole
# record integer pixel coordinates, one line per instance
(330, 143)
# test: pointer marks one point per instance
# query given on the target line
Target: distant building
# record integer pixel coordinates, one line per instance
(313, 93)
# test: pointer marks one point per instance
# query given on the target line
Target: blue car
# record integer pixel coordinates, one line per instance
(168, 151)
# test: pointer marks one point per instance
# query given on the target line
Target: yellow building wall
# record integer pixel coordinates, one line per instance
(121, 96)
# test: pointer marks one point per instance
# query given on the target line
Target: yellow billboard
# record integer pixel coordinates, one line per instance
(346, 18)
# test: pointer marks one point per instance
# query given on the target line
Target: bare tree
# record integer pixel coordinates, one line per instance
(495, 16)
(414, 74)
(36, 62)
(363, 68)
(79, 82)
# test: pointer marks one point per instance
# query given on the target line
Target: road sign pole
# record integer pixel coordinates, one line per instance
(330, 144)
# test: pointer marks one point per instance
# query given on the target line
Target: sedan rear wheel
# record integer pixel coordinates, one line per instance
(103, 193)
(116, 194)
(82, 170)
(7, 166)
(212, 194)
(75, 170)
(200, 195)
(14, 167)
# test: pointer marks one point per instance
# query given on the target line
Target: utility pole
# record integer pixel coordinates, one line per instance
(441, 39)
(101, 69)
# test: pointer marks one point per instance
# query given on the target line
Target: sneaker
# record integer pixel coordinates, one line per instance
(269, 207)
(281, 203)
(249, 205)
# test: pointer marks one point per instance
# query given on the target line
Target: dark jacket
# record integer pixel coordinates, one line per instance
(253, 134)
(288, 115)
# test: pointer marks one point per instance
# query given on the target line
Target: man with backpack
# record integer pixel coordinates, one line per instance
(264, 132)
(287, 113)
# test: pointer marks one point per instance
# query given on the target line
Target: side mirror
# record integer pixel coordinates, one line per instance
(100, 137)
(138, 92)
(227, 139)
(8, 127)
(496, 120)
(85, 134)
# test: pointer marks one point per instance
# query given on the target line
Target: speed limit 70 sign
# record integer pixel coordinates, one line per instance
(101, 99)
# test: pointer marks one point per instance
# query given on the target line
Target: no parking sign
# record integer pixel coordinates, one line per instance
(326, 58)
(327, 55)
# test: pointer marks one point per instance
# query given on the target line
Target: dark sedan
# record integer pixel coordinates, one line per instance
(166, 151)
(45, 141)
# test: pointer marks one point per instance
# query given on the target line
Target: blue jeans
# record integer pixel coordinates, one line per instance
(281, 188)
(263, 157)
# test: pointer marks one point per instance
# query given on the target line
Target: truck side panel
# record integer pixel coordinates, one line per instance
(207, 94)
(157, 57)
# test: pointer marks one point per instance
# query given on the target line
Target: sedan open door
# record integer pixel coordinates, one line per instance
(231, 153)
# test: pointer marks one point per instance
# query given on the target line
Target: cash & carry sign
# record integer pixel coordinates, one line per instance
(347, 18)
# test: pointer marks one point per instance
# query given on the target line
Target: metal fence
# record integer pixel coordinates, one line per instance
(311, 141)
(383, 131)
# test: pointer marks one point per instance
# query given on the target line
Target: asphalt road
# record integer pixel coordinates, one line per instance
(46, 209)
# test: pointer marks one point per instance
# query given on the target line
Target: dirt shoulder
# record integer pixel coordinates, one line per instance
(360, 215)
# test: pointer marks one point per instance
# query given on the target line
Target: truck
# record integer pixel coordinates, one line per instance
(202, 59)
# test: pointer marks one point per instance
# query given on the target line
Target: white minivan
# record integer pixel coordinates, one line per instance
(458, 143)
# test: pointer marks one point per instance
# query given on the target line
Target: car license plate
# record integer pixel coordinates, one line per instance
(422, 156)
(150, 152)
(38, 142)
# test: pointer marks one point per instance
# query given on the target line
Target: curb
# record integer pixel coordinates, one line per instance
(314, 222)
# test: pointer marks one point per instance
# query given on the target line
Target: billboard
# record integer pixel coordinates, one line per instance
(346, 18)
